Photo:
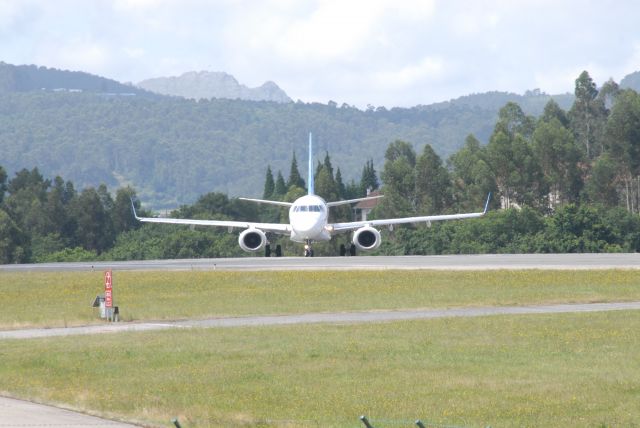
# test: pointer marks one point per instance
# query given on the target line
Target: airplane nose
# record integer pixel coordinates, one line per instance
(306, 228)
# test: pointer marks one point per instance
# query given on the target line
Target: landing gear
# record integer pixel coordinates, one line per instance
(278, 251)
(343, 250)
(308, 251)
(352, 250)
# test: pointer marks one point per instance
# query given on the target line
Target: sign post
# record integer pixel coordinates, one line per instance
(108, 293)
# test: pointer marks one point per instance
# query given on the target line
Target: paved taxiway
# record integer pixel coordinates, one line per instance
(453, 262)
(318, 318)
(18, 413)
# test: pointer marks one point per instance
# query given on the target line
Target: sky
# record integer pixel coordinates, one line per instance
(392, 53)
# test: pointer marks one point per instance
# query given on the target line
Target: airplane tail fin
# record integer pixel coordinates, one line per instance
(310, 180)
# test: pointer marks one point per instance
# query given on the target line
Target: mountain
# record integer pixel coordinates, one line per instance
(207, 85)
(26, 78)
(631, 81)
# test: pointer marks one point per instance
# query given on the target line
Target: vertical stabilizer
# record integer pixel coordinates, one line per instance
(310, 180)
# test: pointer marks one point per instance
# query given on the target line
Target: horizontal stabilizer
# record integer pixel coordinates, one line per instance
(265, 201)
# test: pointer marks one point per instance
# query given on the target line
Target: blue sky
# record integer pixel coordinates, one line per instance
(359, 52)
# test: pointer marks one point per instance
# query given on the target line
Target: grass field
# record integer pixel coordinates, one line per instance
(63, 299)
(528, 370)
(543, 370)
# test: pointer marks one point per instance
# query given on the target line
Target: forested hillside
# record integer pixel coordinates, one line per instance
(173, 150)
(567, 181)
(26, 78)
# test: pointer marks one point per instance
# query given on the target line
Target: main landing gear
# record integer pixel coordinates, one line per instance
(343, 250)
(267, 251)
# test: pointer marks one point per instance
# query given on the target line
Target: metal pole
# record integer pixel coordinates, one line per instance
(420, 424)
(365, 421)
(176, 423)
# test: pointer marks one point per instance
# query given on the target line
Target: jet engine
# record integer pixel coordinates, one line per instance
(252, 240)
(366, 238)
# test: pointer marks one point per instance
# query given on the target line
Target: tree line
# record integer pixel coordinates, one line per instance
(567, 181)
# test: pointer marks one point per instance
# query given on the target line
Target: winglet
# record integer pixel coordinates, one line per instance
(133, 209)
(486, 205)
(310, 183)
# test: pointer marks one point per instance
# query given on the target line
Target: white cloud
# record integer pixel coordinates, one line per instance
(79, 54)
(427, 69)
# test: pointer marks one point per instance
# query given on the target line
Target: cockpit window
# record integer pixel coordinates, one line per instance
(308, 208)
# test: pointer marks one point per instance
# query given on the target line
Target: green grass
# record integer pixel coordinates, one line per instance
(533, 370)
(59, 299)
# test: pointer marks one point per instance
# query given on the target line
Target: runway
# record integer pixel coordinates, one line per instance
(448, 262)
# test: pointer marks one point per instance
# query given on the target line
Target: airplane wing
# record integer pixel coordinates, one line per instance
(351, 201)
(344, 227)
(266, 227)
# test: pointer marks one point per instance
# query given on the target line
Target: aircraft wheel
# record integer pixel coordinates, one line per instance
(343, 250)
(267, 250)
(278, 250)
(352, 250)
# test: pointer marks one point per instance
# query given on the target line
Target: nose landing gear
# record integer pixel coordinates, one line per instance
(308, 251)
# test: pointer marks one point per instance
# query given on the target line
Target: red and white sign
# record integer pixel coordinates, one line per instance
(108, 289)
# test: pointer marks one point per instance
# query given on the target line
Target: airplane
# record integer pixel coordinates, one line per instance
(308, 222)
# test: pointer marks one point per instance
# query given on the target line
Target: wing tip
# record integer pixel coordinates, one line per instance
(486, 205)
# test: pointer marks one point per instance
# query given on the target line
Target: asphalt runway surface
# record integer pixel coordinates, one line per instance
(317, 318)
(453, 262)
(19, 413)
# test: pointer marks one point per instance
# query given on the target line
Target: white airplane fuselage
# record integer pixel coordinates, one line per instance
(308, 217)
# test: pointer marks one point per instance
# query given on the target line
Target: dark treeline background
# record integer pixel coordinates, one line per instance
(567, 181)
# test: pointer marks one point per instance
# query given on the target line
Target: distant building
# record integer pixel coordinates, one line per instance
(363, 208)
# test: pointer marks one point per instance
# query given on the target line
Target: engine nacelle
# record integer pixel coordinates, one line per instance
(252, 240)
(366, 238)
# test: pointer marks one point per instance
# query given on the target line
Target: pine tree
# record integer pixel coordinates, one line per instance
(294, 176)
(342, 191)
(281, 188)
(369, 179)
(269, 184)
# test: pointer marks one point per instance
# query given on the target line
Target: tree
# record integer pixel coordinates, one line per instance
(588, 115)
(121, 214)
(94, 227)
(601, 187)
(553, 111)
(369, 179)
(512, 121)
(518, 175)
(471, 176)
(399, 181)
(609, 92)
(433, 184)
(342, 190)
(3, 183)
(560, 158)
(269, 184)
(294, 175)
(13, 242)
(280, 187)
(623, 143)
